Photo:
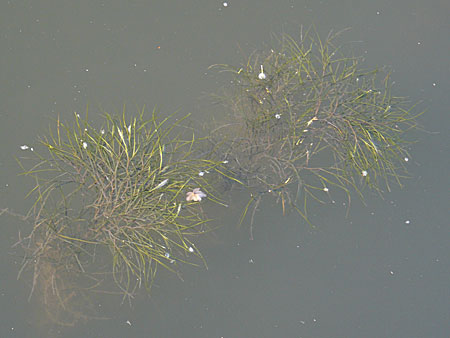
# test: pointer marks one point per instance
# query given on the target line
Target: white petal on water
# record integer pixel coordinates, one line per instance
(24, 147)
(196, 195)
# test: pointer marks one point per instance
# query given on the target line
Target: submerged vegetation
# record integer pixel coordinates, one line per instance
(119, 189)
(307, 119)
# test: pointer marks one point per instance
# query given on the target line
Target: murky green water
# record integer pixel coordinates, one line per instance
(381, 272)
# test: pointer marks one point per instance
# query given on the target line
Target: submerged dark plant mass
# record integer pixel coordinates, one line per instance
(307, 119)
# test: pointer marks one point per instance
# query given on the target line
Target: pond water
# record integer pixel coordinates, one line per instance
(381, 271)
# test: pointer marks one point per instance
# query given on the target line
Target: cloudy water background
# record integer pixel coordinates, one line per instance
(384, 271)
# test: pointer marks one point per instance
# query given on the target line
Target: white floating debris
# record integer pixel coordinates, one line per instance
(406, 159)
(85, 145)
(195, 195)
(102, 131)
(225, 162)
(325, 189)
(167, 255)
(24, 147)
(277, 116)
(262, 75)
(364, 173)
(191, 249)
(225, 4)
(407, 221)
(128, 322)
(201, 173)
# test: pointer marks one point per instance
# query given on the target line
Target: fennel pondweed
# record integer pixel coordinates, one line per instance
(119, 190)
(315, 122)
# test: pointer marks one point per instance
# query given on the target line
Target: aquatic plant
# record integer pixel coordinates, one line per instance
(118, 191)
(307, 118)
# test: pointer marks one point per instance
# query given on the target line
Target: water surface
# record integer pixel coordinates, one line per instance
(381, 272)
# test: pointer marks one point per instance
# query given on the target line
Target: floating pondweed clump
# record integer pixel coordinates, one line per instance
(307, 119)
(121, 191)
